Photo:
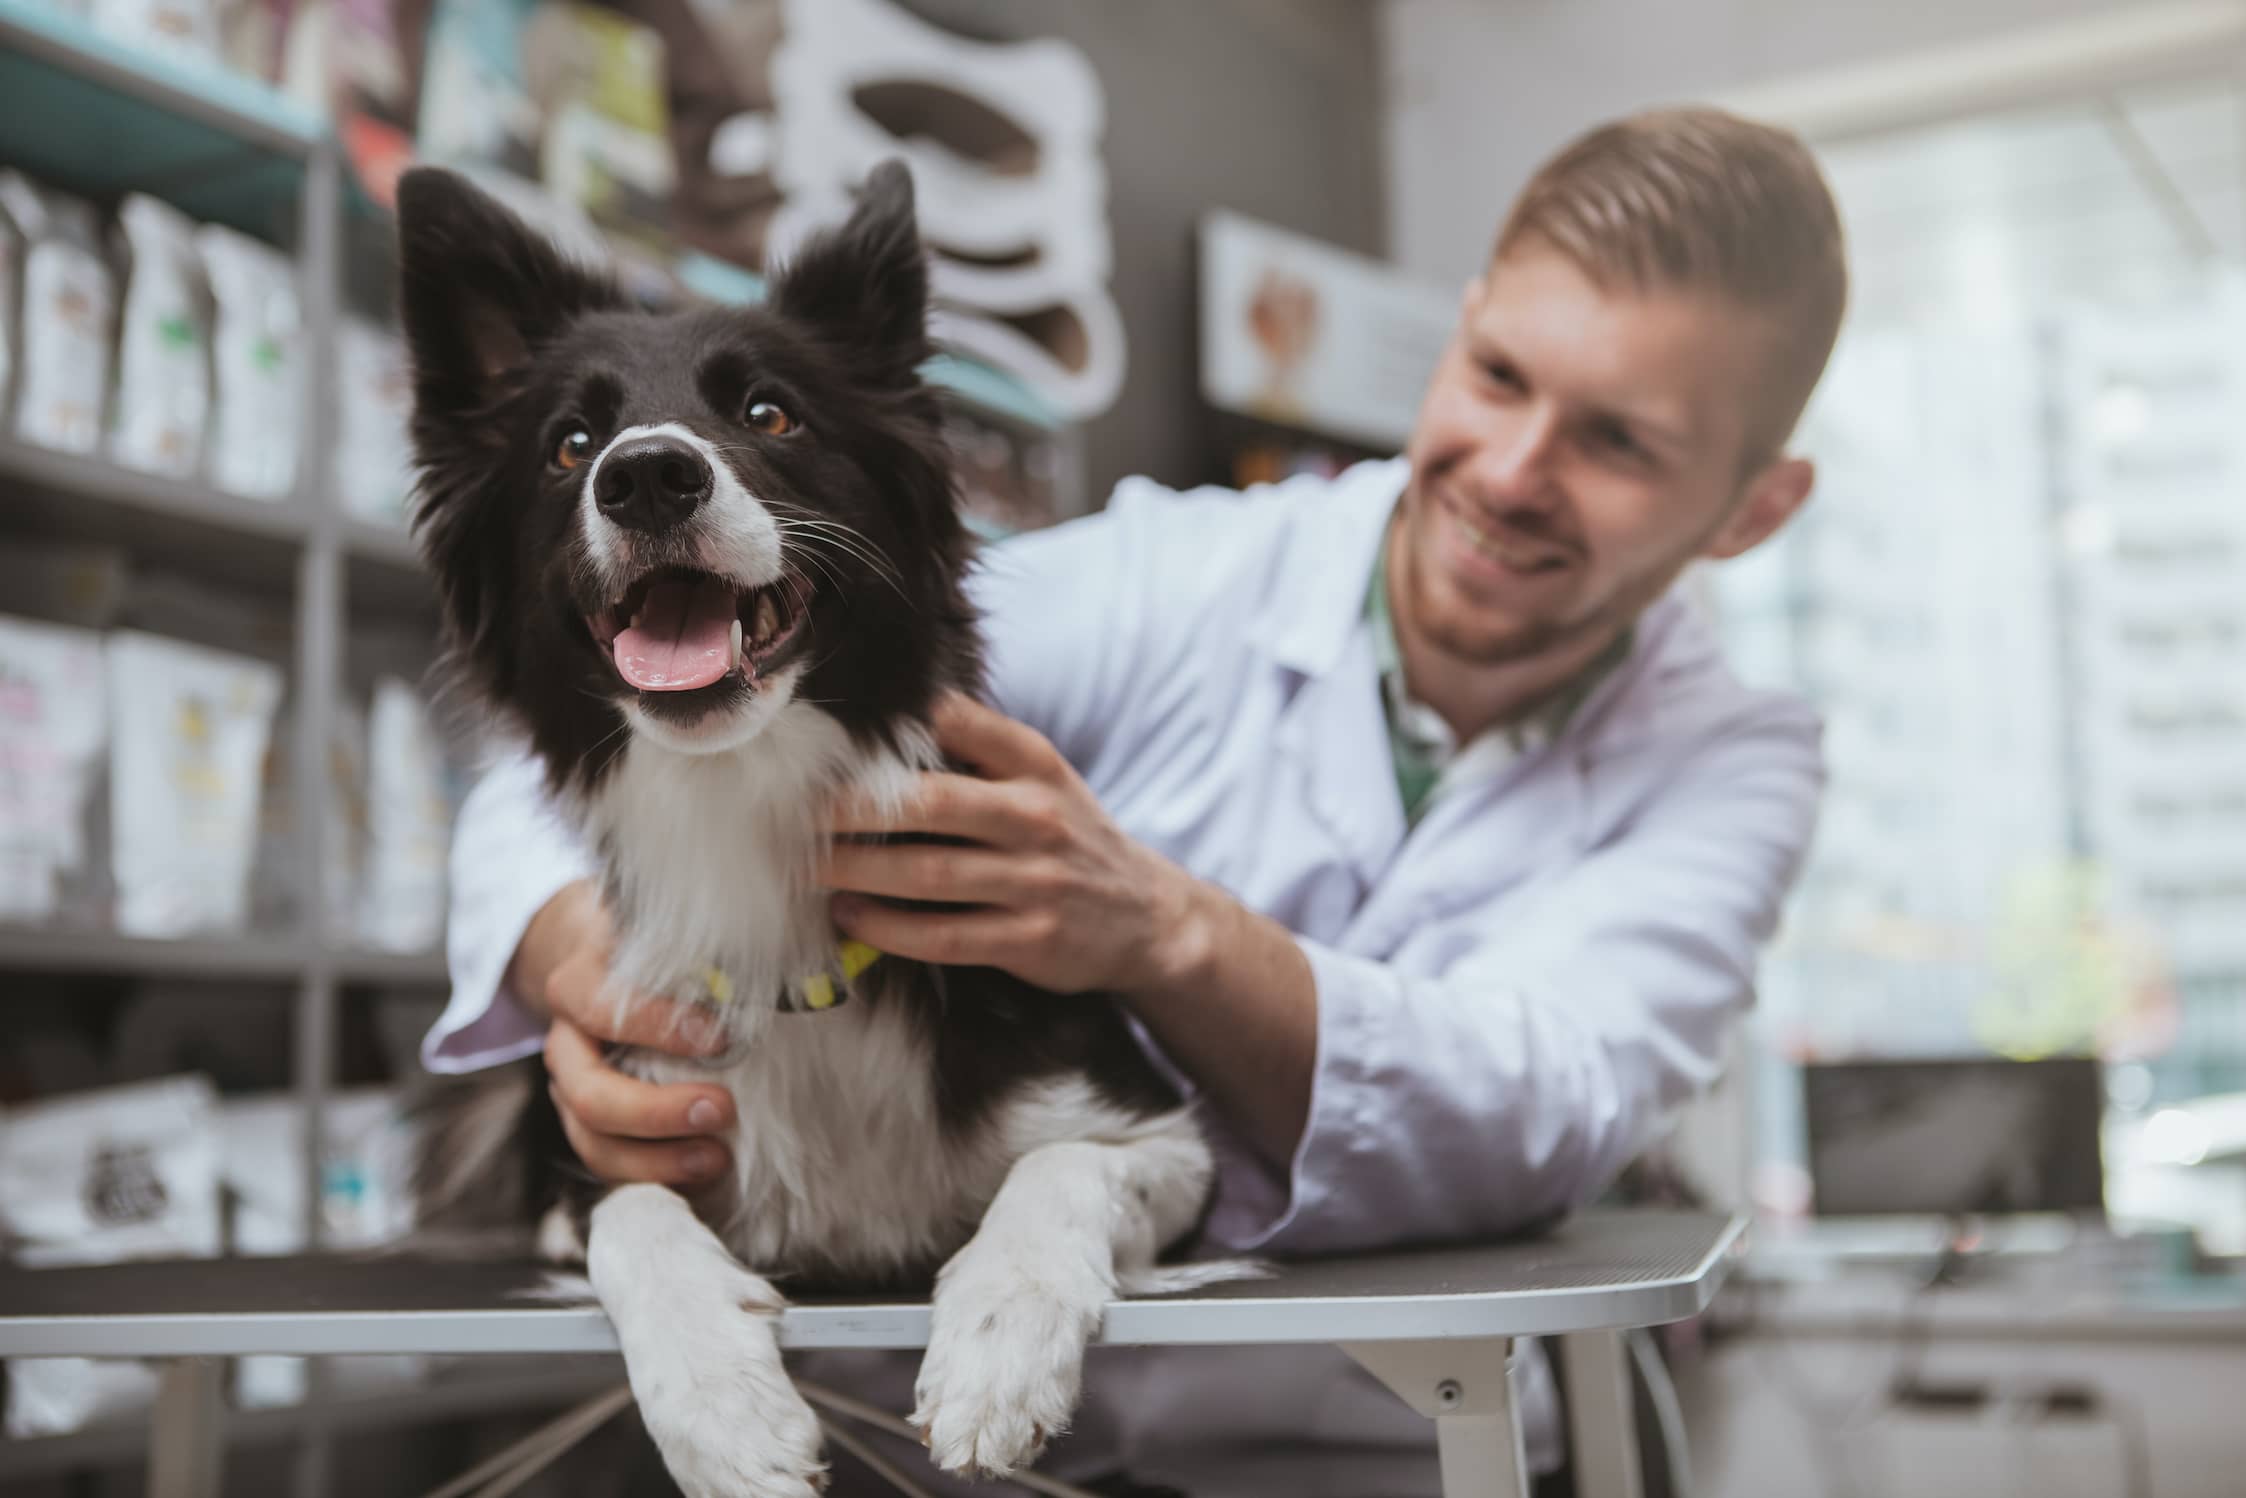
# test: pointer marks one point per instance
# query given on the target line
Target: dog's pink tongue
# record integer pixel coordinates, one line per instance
(684, 637)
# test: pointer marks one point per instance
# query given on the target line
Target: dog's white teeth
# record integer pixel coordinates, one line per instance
(767, 619)
(637, 616)
(733, 657)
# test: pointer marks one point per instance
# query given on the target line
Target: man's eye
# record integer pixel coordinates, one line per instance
(574, 449)
(1611, 438)
(1503, 374)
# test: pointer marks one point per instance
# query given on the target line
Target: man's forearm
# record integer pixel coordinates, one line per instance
(1237, 1008)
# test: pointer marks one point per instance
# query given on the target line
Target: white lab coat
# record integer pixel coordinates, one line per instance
(1513, 995)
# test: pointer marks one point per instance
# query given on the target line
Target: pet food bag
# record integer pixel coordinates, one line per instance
(185, 30)
(99, 1178)
(191, 727)
(365, 1201)
(256, 361)
(409, 824)
(52, 728)
(277, 890)
(374, 460)
(68, 300)
(163, 350)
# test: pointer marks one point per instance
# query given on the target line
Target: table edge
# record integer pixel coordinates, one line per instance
(1172, 1321)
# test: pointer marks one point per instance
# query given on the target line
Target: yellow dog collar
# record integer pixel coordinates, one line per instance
(827, 989)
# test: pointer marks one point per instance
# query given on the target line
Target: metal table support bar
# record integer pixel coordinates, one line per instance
(1466, 1388)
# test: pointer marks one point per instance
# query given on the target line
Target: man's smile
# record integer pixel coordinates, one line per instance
(1488, 550)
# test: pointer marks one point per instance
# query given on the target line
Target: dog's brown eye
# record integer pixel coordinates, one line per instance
(575, 449)
(770, 419)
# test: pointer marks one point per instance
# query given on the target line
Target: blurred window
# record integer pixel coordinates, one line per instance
(2019, 596)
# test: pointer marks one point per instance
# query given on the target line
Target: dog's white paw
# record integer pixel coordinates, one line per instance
(738, 1432)
(1005, 1358)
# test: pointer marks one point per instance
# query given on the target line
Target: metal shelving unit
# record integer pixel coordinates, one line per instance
(493, 1386)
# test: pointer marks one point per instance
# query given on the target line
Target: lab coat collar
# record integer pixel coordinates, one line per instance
(1316, 600)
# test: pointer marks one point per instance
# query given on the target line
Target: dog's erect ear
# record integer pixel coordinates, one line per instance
(478, 290)
(866, 283)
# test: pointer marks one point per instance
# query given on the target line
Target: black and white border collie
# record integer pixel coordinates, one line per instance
(709, 563)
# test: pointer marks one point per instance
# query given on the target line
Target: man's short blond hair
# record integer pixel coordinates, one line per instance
(1695, 199)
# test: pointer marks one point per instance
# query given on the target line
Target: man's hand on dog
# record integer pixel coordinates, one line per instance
(1037, 879)
(623, 1129)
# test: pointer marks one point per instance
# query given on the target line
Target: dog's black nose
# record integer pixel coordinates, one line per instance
(651, 483)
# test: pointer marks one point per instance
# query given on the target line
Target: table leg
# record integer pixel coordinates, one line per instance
(187, 1433)
(1602, 1417)
(1465, 1388)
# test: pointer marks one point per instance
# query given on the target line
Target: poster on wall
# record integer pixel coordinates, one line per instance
(1304, 334)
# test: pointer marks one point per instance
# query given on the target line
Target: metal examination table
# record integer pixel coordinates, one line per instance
(1436, 1326)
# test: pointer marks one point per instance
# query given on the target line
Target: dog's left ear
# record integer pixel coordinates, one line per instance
(478, 291)
(866, 283)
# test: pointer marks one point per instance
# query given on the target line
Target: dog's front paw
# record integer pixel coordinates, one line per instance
(1005, 1358)
(739, 1431)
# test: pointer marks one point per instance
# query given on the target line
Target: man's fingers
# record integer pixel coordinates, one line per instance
(579, 993)
(993, 743)
(941, 803)
(955, 938)
(673, 1162)
(608, 1102)
(926, 871)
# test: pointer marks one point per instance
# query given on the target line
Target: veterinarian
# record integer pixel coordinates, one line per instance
(1412, 813)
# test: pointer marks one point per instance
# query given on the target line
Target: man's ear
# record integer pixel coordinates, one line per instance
(478, 291)
(1772, 497)
(866, 283)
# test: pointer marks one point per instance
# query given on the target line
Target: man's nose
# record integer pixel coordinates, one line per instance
(1514, 461)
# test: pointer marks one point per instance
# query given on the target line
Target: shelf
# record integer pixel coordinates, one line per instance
(421, 969)
(489, 1387)
(94, 115)
(70, 497)
(250, 958)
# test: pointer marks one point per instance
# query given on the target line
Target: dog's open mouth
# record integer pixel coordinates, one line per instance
(679, 630)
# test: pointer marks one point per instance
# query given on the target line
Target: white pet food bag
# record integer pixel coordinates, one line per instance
(99, 1178)
(190, 727)
(163, 346)
(409, 824)
(52, 727)
(374, 460)
(277, 891)
(68, 301)
(102, 1177)
(256, 358)
(366, 1201)
(185, 30)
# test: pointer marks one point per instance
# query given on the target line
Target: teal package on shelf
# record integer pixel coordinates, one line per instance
(99, 116)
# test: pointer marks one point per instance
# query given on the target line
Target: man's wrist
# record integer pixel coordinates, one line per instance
(1188, 921)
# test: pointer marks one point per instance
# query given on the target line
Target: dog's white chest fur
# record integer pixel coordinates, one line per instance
(842, 1162)
(709, 856)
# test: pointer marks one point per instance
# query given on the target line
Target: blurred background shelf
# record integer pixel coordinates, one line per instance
(71, 497)
(487, 1387)
(248, 957)
(107, 117)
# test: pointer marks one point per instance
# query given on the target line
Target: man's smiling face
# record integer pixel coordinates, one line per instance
(1577, 447)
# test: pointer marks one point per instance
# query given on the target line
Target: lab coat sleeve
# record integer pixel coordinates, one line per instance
(511, 852)
(1517, 1082)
